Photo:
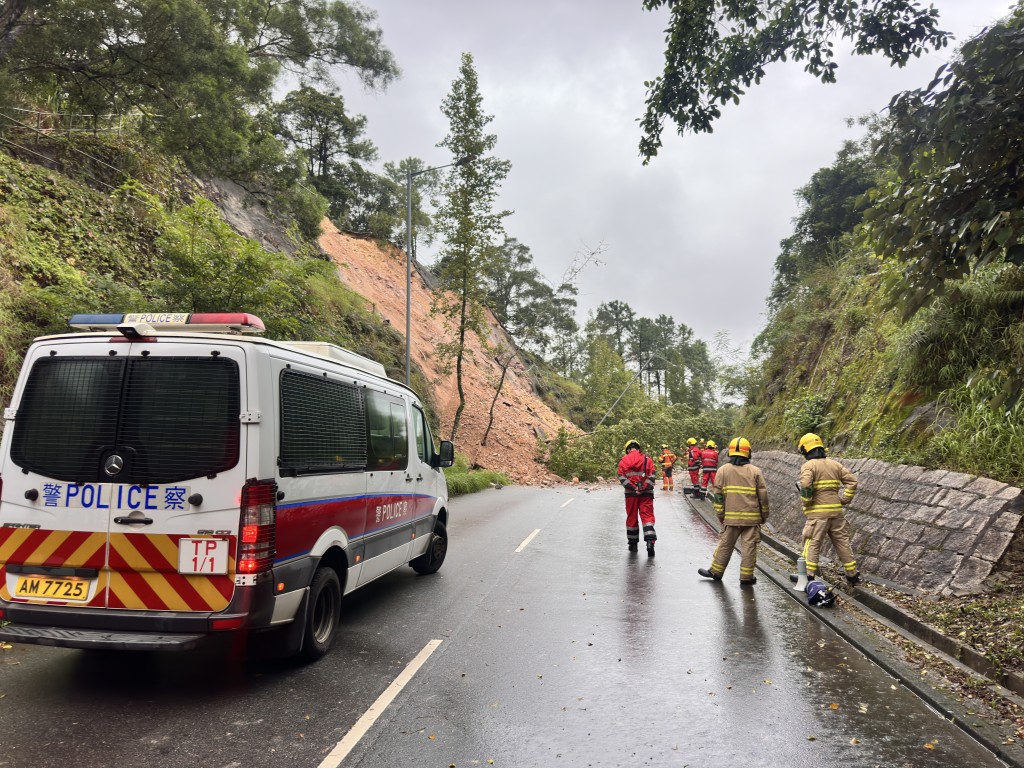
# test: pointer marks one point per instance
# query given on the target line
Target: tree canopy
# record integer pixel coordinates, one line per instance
(197, 70)
(717, 48)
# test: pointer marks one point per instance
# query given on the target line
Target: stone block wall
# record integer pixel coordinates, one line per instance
(939, 532)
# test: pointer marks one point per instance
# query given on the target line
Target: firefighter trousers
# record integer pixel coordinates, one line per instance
(839, 532)
(640, 511)
(707, 478)
(747, 537)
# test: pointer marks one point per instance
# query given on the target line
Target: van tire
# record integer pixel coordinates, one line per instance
(324, 614)
(431, 560)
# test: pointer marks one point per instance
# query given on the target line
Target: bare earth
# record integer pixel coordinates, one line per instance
(519, 415)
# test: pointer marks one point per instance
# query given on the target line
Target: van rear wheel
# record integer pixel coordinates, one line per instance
(431, 560)
(324, 614)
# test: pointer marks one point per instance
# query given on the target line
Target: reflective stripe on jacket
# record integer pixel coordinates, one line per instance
(826, 486)
(693, 457)
(636, 473)
(667, 458)
(740, 495)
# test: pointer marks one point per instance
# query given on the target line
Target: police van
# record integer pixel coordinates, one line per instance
(169, 478)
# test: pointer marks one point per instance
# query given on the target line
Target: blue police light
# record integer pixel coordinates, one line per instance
(95, 322)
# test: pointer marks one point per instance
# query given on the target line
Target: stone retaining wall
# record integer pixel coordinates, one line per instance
(935, 531)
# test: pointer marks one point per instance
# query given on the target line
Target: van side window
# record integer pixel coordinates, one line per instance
(424, 444)
(322, 425)
(389, 436)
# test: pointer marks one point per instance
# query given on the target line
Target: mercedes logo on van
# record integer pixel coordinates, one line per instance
(113, 465)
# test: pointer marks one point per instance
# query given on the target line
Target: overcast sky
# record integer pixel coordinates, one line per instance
(694, 234)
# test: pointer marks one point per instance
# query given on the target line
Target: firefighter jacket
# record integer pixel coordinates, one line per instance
(693, 457)
(826, 486)
(740, 495)
(709, 458)
(667, 458)
(636, 473)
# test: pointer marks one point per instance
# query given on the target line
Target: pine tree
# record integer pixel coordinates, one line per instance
(466, 220)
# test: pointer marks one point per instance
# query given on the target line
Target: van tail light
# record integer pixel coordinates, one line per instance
(256, 550)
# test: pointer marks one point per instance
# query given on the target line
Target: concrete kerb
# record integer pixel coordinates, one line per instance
(889, 658)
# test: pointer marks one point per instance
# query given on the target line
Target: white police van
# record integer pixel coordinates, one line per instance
(165, 479)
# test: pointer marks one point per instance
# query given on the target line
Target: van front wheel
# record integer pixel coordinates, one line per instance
(430, 561)
(324, 614)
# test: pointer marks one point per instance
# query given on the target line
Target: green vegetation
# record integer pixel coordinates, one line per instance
(896, 326)
(462, 479)
(588, 457)
(716, 50)
(66, 248)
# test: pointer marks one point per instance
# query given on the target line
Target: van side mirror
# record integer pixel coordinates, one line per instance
(445, 455)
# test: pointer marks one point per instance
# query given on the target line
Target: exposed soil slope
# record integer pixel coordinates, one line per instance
(378, 274)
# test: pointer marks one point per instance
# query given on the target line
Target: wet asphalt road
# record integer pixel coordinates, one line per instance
(571, 652)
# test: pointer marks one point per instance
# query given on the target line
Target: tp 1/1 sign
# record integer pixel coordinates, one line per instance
(203, 556)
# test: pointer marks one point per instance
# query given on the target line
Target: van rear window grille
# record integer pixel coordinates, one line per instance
(169, 418)
(323, 425)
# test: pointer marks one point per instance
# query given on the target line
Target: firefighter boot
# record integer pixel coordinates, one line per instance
(708, 574)
(649, 538)
(748, 582)
(853, 579)
(634, 546)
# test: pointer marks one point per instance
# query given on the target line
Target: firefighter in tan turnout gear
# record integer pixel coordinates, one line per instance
(826, 486)
(740, 499)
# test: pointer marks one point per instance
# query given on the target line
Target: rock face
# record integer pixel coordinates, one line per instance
(935, 531)
(520, 417)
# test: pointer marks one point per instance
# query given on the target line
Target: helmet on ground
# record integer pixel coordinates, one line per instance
(740, 446)
(632, 444)
(711, 444)
(820, 595)
(809, 442)
(692, 441)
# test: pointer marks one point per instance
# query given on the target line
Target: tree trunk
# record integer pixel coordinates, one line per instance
(10, 12)
(497, 394)
(460, 354)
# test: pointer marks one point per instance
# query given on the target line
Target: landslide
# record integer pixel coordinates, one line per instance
(377, 272)
(76, 235)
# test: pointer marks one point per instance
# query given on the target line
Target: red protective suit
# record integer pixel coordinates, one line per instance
(709, 465)
(636, 474)
(693, 466)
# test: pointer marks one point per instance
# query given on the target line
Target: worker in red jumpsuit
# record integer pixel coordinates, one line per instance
(693, 464)
(708, 465)
(637, 473)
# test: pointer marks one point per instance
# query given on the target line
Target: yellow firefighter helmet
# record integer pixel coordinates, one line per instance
(740, 446)
(809, 442)
(710, 444)
(692, 441)
(631, 443)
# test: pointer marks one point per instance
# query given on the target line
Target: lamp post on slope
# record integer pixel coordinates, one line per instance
(409, 174)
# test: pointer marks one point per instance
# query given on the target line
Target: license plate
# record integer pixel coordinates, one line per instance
(203, 556)
(46, 588)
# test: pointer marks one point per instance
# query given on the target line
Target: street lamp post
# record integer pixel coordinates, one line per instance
(409, 174)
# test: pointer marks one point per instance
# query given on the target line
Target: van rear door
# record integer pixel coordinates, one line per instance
(135, 451)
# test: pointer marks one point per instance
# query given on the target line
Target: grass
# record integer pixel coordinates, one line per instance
(462, 479)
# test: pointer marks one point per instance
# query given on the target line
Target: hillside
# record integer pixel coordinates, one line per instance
(520, 418)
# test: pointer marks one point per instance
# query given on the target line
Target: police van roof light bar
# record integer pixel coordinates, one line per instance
(209, 322)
